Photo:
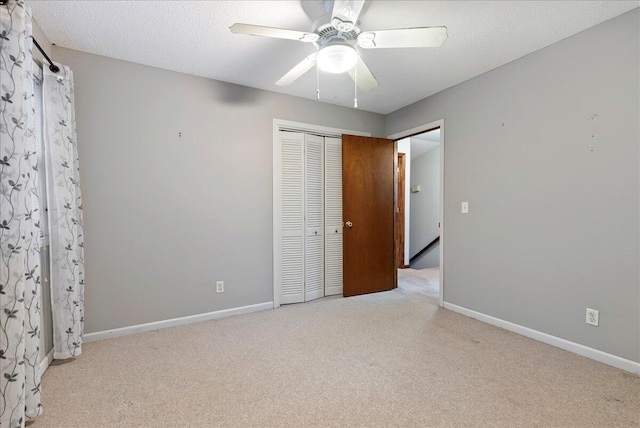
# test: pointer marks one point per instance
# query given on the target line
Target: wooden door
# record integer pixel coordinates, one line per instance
(369, 201)
(400, 212)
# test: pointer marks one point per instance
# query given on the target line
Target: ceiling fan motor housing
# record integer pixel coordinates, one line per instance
(328, 34)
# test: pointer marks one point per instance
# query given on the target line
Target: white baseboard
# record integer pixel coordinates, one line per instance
(174, 322)
(585, 351)
(48, 359)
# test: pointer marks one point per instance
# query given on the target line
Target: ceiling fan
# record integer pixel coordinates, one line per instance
(335, 37)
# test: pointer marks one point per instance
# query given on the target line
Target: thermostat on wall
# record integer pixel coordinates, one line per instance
(416, 188)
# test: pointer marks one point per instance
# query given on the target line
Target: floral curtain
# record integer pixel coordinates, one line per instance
(19, 224)
(65, 213)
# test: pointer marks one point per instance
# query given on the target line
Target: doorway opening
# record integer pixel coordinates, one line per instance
(419, 210)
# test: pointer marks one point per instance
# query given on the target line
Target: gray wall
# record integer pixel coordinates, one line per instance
(425, 208)
(428, 259)
(553, 194)
(166, 216)
(43, 41)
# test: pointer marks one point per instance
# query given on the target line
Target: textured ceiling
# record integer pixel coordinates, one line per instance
(193, 37)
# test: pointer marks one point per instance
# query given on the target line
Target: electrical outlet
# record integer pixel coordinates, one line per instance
(219, 286)
(593, 317)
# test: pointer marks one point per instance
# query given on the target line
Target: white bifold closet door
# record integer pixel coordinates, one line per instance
(308, 235)
(291, 267)
(314, 210)
(333, 215)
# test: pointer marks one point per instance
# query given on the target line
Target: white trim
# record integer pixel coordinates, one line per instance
(414, 131)
(37, 70)
(417, 130)
(278, 125)
(174, 322)
(441, 244)
(46, 362)
(277, 216)
(576, 348)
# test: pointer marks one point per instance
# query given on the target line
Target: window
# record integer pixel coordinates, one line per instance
(39, 149)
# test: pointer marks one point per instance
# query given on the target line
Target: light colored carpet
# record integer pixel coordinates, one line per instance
(420, 281)
(385, 359)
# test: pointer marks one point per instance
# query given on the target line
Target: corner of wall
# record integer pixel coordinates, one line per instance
(43, 41)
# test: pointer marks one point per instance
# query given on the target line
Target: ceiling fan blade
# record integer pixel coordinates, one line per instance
(365, 78)
(278, 33)
(345, 14)
(425, 37)
(298, 71)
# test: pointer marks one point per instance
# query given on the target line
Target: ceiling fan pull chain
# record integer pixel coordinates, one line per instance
(355, 86)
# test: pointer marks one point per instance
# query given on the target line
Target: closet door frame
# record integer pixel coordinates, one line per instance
(285, 125)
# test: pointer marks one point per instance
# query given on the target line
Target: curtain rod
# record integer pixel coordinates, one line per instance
(54, 68)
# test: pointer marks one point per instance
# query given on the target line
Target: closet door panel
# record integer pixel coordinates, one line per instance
(314, 267)
(333, 216)
(292, 230)
(314, 211)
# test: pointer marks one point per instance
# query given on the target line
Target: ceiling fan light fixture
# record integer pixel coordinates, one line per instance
(337, 58)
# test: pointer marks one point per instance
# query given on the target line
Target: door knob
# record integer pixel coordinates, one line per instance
(349, 224)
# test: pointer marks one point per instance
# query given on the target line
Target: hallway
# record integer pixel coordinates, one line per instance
(420, 281)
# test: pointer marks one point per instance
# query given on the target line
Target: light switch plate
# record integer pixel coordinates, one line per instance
(465, 208)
